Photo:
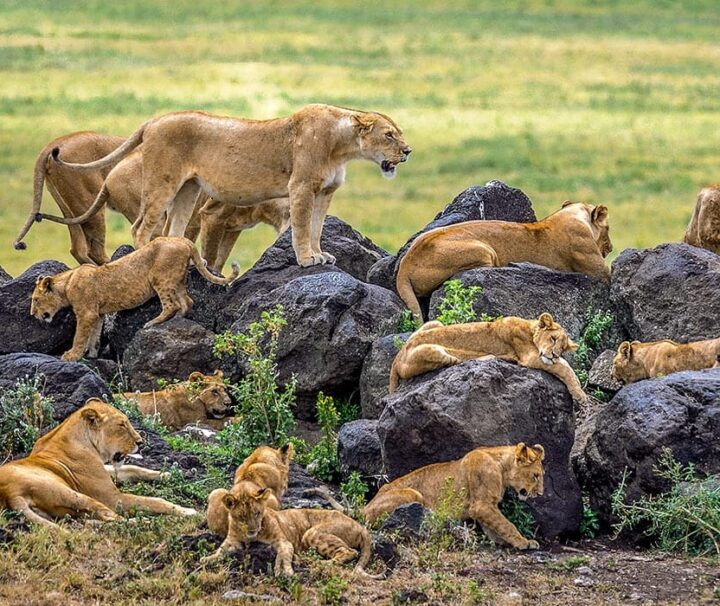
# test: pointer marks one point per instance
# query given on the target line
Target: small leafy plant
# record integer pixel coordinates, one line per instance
(597, 325)
(519, 514)
(456, 306)
(25, 414)
(590, 522)
(322, 460)
(353, 491)
(407, 322)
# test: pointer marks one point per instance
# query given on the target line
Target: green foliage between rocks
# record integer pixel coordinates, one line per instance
(25, 414)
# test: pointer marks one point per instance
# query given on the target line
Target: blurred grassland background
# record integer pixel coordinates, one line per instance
(612, 102)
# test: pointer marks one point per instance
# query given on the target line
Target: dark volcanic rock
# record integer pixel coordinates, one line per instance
(382, 273)
(406, 520)
(442, 415)
(4, 276)
(171, 350)
(600, 374)
(157, 454)
(69, 384)
(121, 251)
(375, 374)
(19, 331)
(527, 290)
(668, 292)
(680, 411)
(300, 489)
(359, 448)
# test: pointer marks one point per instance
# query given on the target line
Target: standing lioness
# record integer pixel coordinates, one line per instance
(93, 291)
(245, 162)
(575, 238)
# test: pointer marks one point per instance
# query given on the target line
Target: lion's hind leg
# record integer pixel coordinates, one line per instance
(426, 357)
(169, 304)
(389, 501)
(327, 543)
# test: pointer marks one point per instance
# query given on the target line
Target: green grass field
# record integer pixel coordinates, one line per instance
(615, 103)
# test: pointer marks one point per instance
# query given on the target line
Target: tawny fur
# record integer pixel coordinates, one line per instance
(331, 533)
(478, 482)
(201, 399)
(246, 162)
(575, 238)
(704, 227)
(266, 467)
(93, 291)
(533, 343)
(637, 361)
(66, 472)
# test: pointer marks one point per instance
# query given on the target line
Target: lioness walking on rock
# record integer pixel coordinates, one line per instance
(93, 291)
(533, 343)
(575, 238)
(245, 162)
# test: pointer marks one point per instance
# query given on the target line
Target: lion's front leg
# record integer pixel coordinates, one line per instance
(320, 208)
(84, 331)
(130, 502)
(132, 473)
(302, 202)
(498, 526)
(562, 370)
(283, 561)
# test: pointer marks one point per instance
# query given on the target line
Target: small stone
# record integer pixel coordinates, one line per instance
(235, 594)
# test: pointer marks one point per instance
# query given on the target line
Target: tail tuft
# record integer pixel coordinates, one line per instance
(39, 217)
(20, 246)
(55, 153)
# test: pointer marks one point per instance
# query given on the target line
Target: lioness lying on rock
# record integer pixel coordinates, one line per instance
(66, 472)
(479, 480)
(93, 291)
(575, 238)
(637, 361)
(201, 399)
(252, 517)
(245, 162)
(533, 343)
(704, 227)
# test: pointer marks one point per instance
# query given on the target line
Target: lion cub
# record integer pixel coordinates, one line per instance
(202, 398)
(479, 479)
(704, 227)
(637, 361)
(331, 533)
(159, 268)
(532, 343)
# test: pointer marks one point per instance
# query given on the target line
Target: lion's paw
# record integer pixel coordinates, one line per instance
(531, 545)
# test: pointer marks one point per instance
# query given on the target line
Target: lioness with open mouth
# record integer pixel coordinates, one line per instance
(245, 162)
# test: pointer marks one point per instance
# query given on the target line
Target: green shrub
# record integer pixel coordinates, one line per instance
(596, 326)
(686, 518)
(590, 522)
(25, 414)
(353, 491)
(407, 322)
(332, 590)
(322, 460)
(456, 306)
(519, 514)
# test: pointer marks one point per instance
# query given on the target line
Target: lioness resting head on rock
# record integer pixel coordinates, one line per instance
(201, 399)
(533, 343)
(575, 238)
(331, 533)
(245, 162)
(267, 468)
(478, 480)
(637, 361)
(93, 291)
(704, 227)
(66, 472)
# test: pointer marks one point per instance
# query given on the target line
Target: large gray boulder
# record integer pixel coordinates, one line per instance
(375, 374)
(680, 411)
(527, 290)
(19, 331)
(69, 384)
(171, 350)
(359, 448)
(442, 415)
(668, 292)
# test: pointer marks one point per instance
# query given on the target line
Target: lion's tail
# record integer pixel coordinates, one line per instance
(200, 264)
(324, 493)
(112, 158)
(38, 184)
(365, 555)
(394, 375)
(100, 201)
(405, 288)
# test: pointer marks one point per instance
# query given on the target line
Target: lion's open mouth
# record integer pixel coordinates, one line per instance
(118, 457)
(216, 414)
(388, 169)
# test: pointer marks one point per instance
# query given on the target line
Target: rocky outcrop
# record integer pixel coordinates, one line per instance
(600, 374)
(4, 276)
(171, 350)
(359, 448)
(375, 374)
(382, 273)
(19, 331)
(69, 384)
(680, 412)
(442, 415)
(667, 292)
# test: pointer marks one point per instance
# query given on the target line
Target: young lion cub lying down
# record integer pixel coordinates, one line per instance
(92, 291)
(66, 472)
(533, 343)
(201, 399)
(637, 361)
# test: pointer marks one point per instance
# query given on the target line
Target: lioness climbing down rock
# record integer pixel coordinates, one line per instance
(93, 291)
(201, 399)
(637, 361)
(478, 482)
(331, 533)
(245, 162)
(533, 343)
(66, 474)
(704, 227)
(575, 238)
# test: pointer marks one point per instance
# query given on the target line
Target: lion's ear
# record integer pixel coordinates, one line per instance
(91, 416)
(219, 374)
(229, 501)
(261, 494)
(538, 448)
(625, 349)
(566, 203)
(362, 124)
(599, 214)
(287, 452)
(521, 454)
(546, 320)
(196, 376)
(571, 345)
(45, 283)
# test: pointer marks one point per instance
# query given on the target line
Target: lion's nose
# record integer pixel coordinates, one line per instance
(407, 151)
(46, 315)
(138, 440)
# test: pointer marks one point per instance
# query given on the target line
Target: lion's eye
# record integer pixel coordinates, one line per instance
(536, 477)
(389, 135)
(554, 339)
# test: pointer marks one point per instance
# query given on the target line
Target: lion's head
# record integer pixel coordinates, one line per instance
(212, 393)
(380, 141)
(527, 473)
(551, 339)
(598, 224)
(246, 504)
(626, 367)
(46, 299)
(109, 431)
